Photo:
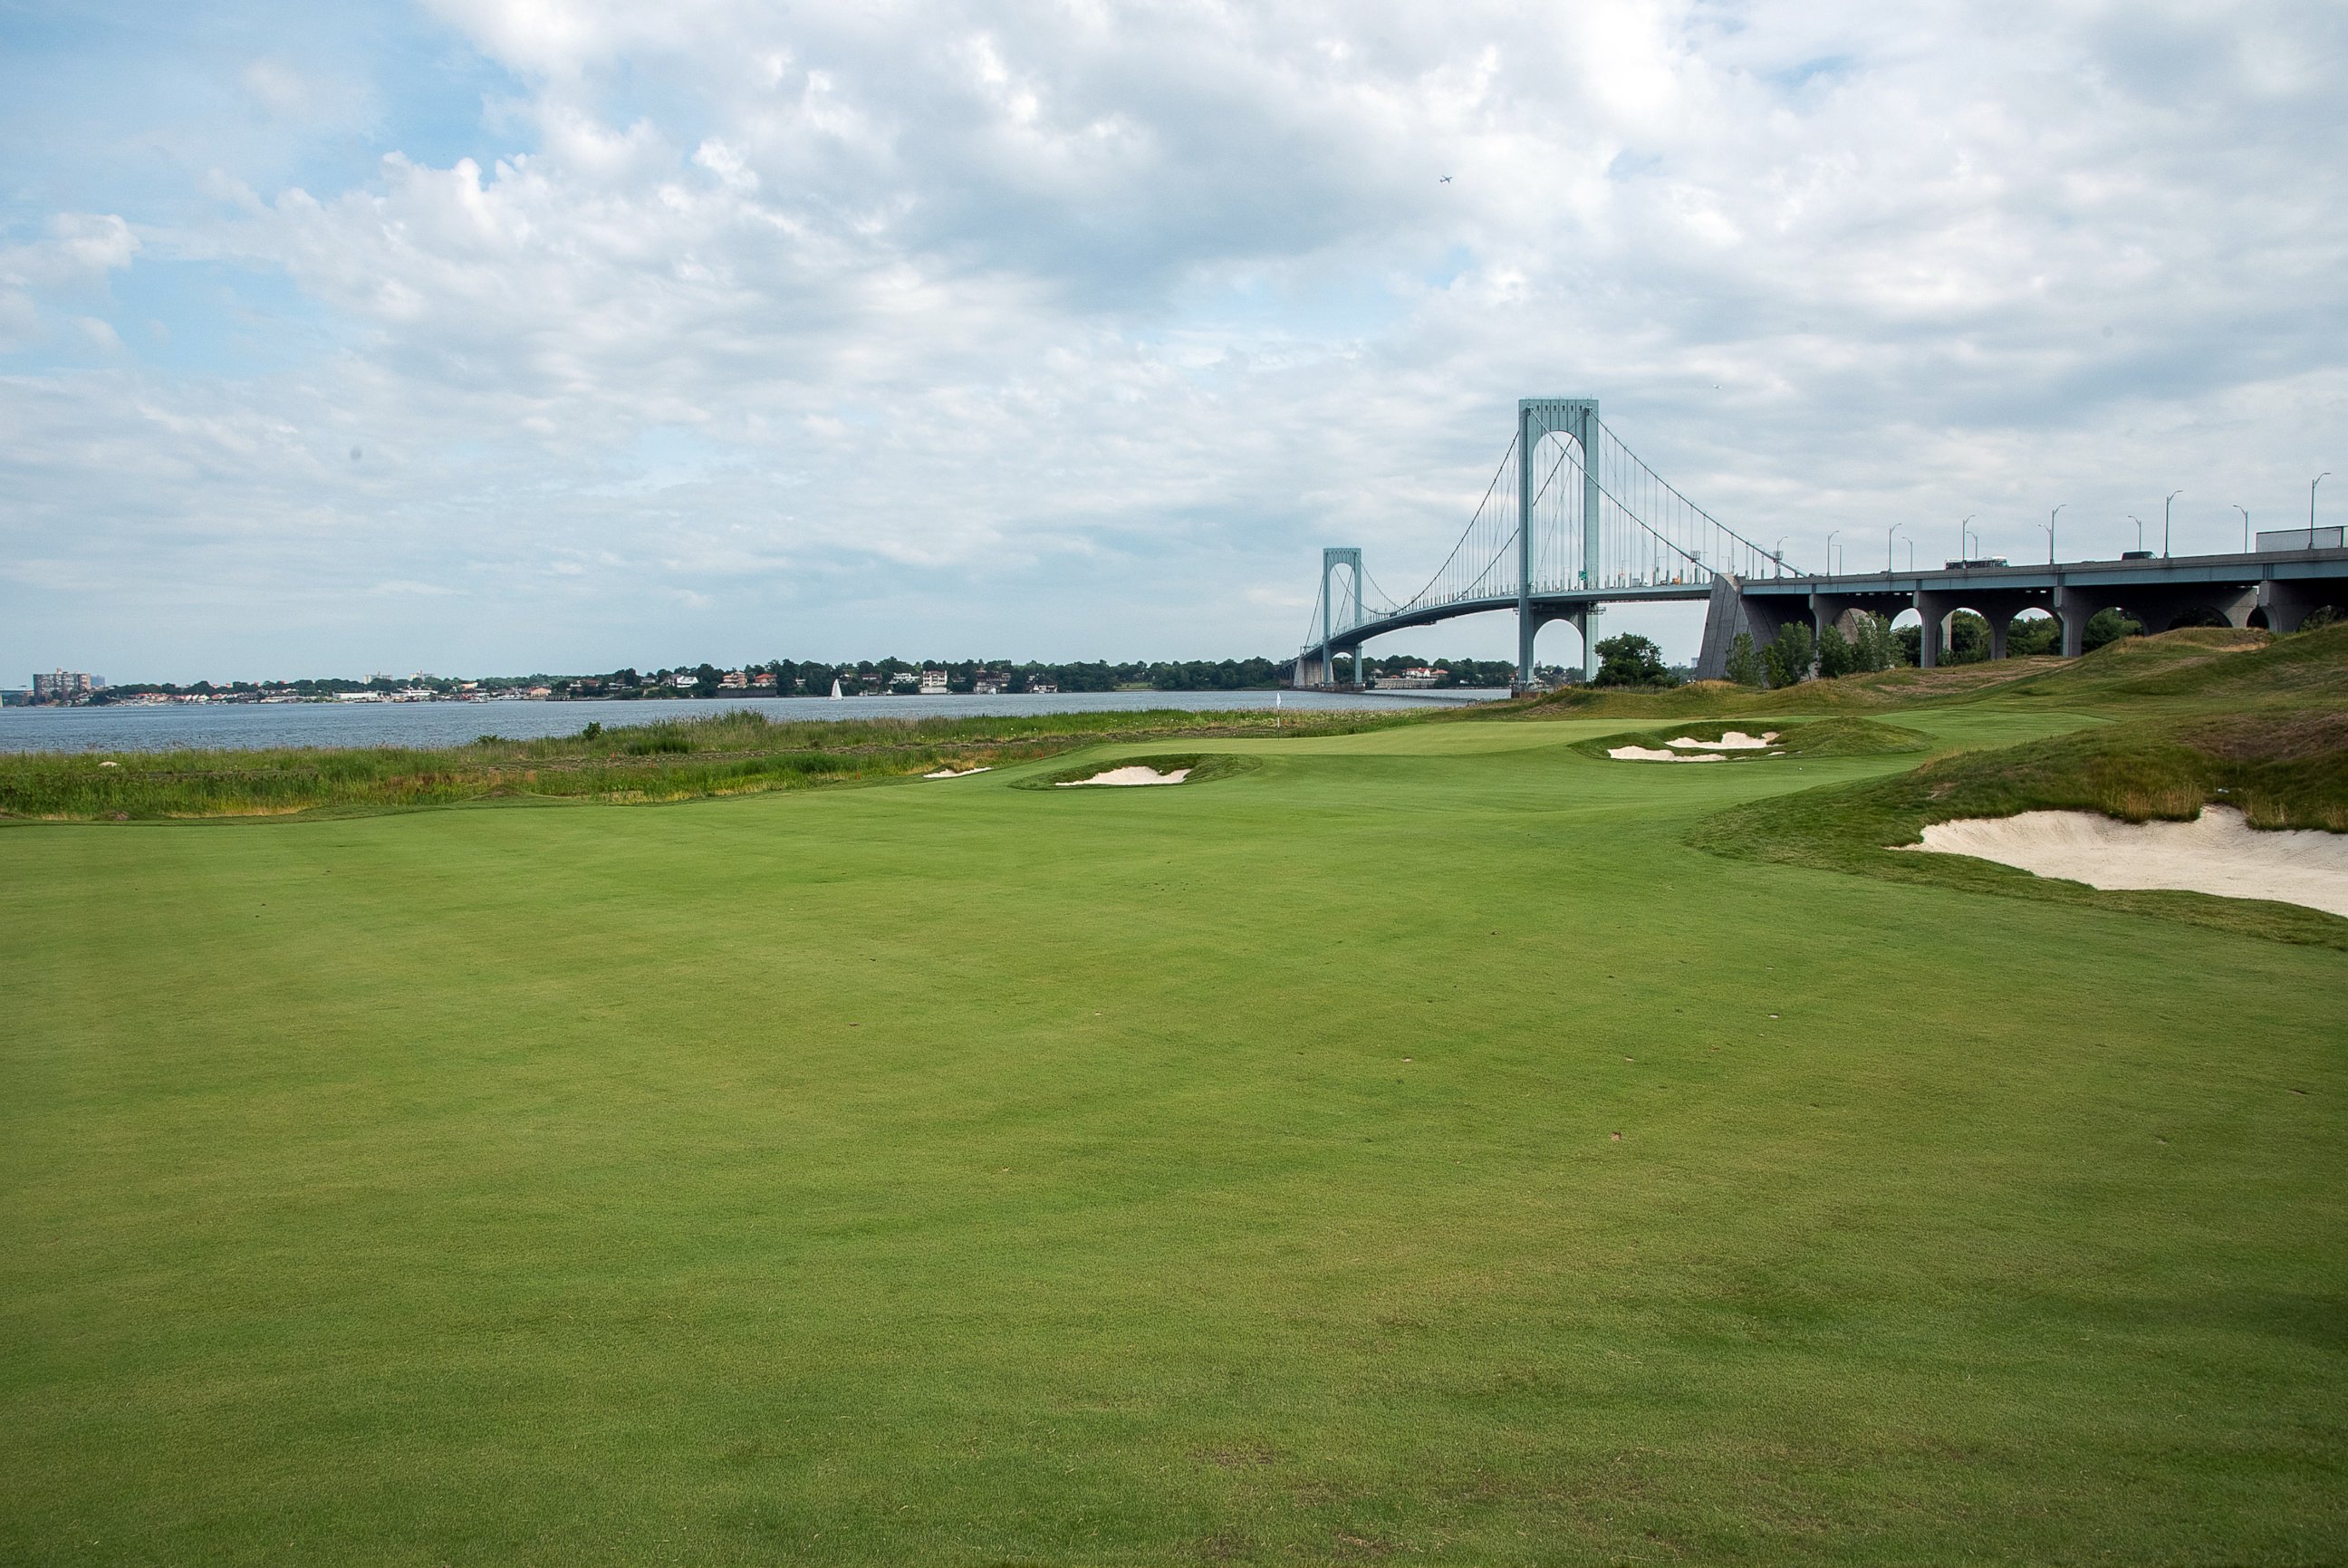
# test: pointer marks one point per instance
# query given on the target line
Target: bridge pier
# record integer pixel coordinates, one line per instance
(1997, 606)
(2287, 603)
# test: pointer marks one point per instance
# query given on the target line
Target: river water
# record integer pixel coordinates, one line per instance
(247, 726)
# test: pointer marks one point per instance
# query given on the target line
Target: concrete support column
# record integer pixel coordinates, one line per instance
(1997, 629)
(2075, 610)
(1933, 610)
(2287, 603)
(2236, 605)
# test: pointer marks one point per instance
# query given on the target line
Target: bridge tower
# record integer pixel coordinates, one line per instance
(1349, 557)
(1576, 418)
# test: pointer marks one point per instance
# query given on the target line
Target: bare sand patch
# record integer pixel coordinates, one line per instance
(958, 773)
(1126, 775)
(2218, 852)
(1657, 754)
(1733, 740)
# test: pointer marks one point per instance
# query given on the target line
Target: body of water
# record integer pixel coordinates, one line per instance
(247, 725)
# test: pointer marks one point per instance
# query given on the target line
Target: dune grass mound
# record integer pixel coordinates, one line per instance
(2281, 768)
(668, 760)
(1748, 740)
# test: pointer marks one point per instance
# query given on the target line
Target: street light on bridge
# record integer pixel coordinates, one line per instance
(2050, 534)
(1779, 554)
(1887, 546)
(1964, 536)
(2139, 532)
(2163, 522)
(2246, 528)
(2310, 505)
(1830, 533)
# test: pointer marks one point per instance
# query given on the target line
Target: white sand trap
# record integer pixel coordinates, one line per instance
(1655, 754)
(1734, 740)
(1135, 775)
(2218, 852)
(950, 773)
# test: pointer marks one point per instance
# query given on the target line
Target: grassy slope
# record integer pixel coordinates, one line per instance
(2263, 726)
(960, 1174)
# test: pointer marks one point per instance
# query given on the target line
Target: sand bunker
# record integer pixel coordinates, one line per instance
(1127, 776)
(1734, 740)
(952, 773)
(2218, 852)
(1655, 754)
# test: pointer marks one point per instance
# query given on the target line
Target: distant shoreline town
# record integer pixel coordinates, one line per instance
(777, 677)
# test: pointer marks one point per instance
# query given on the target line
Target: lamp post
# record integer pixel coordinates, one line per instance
(1779, 554)
(2246, 528)
(2050, 534)
(2310, 505)
(1964, 554)
(1830, 538)
(2163, 522)
(2139, 532)
(1887, 546)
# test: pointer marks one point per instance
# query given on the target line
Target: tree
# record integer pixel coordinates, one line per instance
(2109, 626)
(2027, 637)
(1744, 666)
(1630, 659)
(1872, 644)
(1835, 655)
(1789, 657)
(1968, 639)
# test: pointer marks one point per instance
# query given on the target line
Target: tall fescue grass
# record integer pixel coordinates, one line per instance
(669, 759)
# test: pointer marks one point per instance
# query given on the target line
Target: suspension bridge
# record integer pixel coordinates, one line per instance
(1573, 520)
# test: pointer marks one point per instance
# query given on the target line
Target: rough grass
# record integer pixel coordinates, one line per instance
(2283, 768)
(1817, 737)
(667, 761)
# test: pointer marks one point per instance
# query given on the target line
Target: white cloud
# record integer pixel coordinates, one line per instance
(862, 327)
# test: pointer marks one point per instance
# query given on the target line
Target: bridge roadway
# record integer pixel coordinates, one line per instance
(2274, 588)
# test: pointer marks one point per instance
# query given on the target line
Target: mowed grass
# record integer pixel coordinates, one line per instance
(1408, 1150)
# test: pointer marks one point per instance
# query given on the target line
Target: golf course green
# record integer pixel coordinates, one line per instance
(1407, 1146)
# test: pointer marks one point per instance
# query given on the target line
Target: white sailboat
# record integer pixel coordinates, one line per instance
(835, 688)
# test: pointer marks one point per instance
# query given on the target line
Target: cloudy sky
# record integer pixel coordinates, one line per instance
(507, 334)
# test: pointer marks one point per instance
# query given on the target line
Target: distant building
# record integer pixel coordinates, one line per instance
(65, 685)
(734, 680)
(764, 679)
(1416, 678)
(1042, 688)
(933, 683)
(988, 685)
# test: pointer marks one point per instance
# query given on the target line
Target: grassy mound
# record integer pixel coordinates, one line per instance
(1820, 738)
(2202, 665)
(2192, 664)
(1205, 767)
(2285, 768)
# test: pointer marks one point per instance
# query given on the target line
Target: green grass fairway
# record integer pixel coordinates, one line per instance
(1408, 1150)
